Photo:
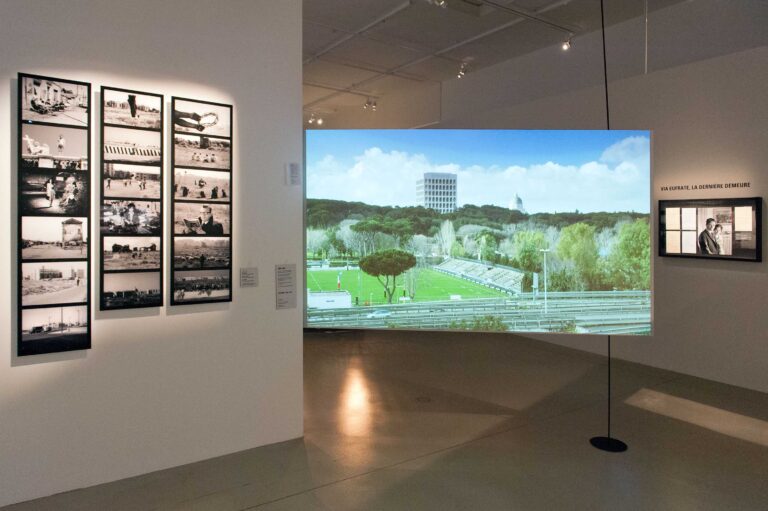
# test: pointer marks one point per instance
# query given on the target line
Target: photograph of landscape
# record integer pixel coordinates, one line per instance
(491, 230)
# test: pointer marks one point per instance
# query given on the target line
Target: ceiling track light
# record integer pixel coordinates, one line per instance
(439, 3)
(463, 69)
(370, 105)
(313, 119)
(566, 44)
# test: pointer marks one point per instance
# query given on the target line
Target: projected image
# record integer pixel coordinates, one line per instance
(532, 231)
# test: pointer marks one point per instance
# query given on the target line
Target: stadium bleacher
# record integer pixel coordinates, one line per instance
(503, 278)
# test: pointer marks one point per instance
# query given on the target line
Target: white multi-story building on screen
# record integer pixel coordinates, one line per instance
(437, 190)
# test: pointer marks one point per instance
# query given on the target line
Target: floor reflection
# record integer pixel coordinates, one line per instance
(714, 419)
(354, 412)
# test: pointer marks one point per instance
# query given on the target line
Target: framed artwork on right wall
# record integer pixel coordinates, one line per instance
(711, 228)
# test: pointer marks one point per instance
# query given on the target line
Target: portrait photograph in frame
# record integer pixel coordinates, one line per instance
(728, 229)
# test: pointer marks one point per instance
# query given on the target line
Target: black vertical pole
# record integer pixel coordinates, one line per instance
(609, 386)
(607, 443)
(605, 71)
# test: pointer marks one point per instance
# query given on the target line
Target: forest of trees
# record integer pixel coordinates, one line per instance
(588, 251)
(325, 213)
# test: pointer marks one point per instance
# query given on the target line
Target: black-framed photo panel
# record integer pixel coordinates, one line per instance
(201, 202)
(131, 206)
(729, 229)
(53, 217)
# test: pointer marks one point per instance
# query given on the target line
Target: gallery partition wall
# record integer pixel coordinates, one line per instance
(85, 417)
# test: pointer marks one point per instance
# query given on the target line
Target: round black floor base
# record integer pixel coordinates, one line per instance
(606, 443)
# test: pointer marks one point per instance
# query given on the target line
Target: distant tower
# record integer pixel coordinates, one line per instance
(517, 204)
(437, 190)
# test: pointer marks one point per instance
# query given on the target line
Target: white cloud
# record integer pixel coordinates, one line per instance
(619, 181)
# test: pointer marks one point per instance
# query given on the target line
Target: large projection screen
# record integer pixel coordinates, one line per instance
(485, 230)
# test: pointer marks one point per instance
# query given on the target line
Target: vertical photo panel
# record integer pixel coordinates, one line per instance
(201, 202)
(131, 209)
(53, 218)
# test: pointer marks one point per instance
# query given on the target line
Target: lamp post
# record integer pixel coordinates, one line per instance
(545, 250)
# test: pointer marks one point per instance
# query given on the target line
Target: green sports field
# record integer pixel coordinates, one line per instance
(430, 286)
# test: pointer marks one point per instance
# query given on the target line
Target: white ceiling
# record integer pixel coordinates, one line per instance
(369, 48)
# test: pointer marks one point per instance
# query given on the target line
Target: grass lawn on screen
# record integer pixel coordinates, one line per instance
(431, 286)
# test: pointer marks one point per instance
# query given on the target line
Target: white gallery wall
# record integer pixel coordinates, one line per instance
(708, 122)
(704, 97)
(164, 386)
(707, 108)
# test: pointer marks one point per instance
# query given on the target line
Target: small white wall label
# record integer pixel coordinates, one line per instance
(249, 277)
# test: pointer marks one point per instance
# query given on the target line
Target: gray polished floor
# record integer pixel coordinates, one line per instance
(476, 422)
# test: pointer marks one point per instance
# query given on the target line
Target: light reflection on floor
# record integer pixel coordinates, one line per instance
(714, 419)
(354, 412)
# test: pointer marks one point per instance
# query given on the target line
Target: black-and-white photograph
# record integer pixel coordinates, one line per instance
(53, 192)
(54, 283)
(201, 253)
(201, 219)
(131, 217)
(201, 185)
(54, 238)
(201, 118)
(124, 290)
(715, 231)
(55, 101)
(63, 324)
(711, 228)
(132, 109)
(201, 151)
(201, 286)
(131, 253)
(54, 147)
(135, 181)
(125, 145)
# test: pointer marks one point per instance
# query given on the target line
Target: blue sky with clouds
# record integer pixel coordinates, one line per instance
(588, 170)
